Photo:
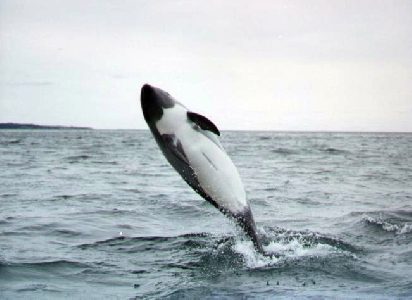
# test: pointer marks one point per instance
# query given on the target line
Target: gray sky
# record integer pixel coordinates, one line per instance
(272, 65)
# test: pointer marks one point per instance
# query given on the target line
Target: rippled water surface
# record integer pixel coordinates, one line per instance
(100, 214)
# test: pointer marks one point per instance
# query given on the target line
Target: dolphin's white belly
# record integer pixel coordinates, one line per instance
(214, 169)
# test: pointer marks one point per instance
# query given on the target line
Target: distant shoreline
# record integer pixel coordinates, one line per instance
(35, 126)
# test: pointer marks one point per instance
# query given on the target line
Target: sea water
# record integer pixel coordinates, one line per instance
(95, 214)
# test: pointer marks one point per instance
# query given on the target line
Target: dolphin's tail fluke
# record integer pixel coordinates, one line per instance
(247, 223)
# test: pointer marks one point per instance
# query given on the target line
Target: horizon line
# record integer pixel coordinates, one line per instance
(247, 130)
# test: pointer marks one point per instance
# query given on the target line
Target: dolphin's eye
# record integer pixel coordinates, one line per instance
(196, 127)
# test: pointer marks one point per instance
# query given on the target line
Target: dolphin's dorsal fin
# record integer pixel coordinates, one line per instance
(203, 122)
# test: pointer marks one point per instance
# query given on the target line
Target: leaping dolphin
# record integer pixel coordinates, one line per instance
(190, 143)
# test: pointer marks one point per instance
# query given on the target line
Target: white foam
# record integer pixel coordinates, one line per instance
(282, 250)
(295, 248)
(405, 229)
(252, 258)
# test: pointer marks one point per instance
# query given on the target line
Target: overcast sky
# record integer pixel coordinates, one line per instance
(271, 65)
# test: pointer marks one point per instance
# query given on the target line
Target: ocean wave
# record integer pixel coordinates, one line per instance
(108, 163)
(127, 240)
(34, 287)
(46, 264)
(282, 246)
(77, 158)
(132, 190)
(66, 232)
(65, 197)
(8, 195)
(10, 142)
(285, 151)
(387, 226)
(39, 227)
(306, 237)
(335, 151)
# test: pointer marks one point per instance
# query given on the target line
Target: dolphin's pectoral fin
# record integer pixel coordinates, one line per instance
(203, 122)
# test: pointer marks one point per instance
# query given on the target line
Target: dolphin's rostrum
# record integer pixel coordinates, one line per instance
(190, 143)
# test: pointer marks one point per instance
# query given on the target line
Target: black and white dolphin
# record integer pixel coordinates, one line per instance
(191, 145)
